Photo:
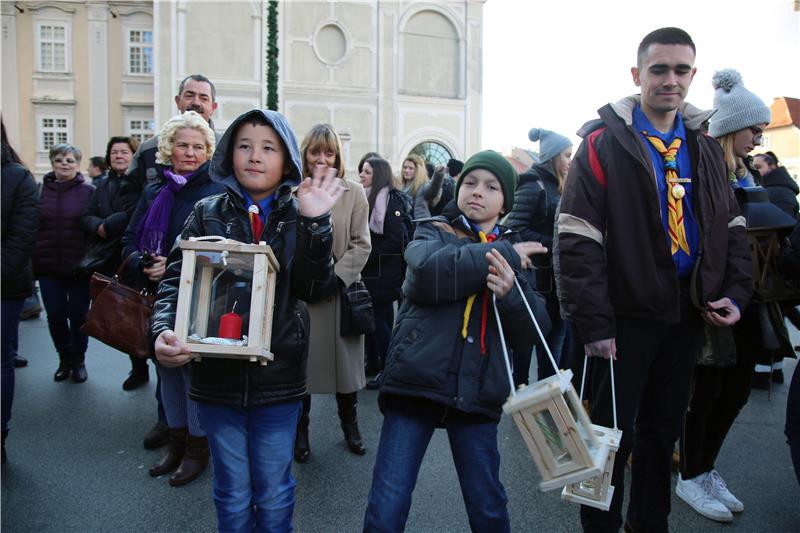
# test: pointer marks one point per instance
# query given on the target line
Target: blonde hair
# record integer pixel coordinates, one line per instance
(735, 165)
(323, 138)
(420, 174)
(187, 120)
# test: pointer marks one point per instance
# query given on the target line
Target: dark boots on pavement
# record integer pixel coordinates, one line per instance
(157, 437)
(302, 447)
(139, 374)
(78, 368)
(347, 414)
(194, 461)
(64, 367)
(176, 448)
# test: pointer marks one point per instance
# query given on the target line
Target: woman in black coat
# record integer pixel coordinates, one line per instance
(389, 229)
(105, 220)
(20, 221)
(781, 187)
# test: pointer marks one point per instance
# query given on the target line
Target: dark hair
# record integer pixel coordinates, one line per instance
(368, 155)
(132, 143)
(663, 36)
(454, 167)
(430, 169)
(769, 158)
(381, 177)
(253, 118)
(9, 155)
(198, 77)
(99, 162)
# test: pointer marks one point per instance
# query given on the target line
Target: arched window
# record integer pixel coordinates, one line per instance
(431, 57)
(433, 152)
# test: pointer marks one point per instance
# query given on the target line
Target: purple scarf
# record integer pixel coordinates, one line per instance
(154, 226)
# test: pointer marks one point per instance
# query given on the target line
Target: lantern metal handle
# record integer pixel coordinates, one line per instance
(613, 388)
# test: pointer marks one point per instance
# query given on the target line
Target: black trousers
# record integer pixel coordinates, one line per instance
(653, 372)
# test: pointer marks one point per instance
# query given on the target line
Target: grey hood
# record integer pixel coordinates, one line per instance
(221, 170)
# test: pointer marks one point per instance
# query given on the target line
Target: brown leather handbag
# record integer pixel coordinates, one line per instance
(119, 315)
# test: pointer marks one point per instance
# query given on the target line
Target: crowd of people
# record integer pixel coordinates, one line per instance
(634, 250)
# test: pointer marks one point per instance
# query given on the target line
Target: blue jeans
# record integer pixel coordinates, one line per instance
(66, 301)
(180, 410)
(251, 450)
(404, 439)
(9, 325)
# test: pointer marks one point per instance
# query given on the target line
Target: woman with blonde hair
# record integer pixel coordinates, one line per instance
(336, 362)
(413, 175)
(185, 146)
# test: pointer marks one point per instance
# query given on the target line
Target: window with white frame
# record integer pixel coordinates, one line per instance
(53, 131)
(52, 39)
(141, 129)
(140, 52)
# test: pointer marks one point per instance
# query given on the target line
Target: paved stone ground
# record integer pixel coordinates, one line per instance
(76, 464)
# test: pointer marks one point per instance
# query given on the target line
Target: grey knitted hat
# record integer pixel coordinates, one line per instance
(550, 143)
(737, 108)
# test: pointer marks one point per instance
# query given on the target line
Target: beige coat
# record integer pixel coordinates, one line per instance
(336, 363)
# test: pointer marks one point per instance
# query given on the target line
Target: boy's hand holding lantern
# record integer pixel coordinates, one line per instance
(317, 194)
(170, 351)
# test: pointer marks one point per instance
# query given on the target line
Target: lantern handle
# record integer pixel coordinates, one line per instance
(503, 344)
(536, 324)
(613, 388)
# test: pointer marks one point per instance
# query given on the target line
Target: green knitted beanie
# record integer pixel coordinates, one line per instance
(500, 167)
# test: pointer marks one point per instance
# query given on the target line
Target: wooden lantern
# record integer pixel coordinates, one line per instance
(597, 491)
(557, 431)
(226, 298)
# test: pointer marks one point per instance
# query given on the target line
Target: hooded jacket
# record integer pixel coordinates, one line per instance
(303, 248)
(428, 356)
(614, 253)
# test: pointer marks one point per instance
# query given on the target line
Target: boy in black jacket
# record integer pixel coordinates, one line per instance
(445, 365)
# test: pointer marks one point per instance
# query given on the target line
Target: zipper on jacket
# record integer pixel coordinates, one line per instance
(228, 228)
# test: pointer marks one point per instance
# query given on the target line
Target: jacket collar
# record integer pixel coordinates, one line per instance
(693, 117)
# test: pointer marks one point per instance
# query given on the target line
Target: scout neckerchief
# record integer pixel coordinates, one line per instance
(675, 191)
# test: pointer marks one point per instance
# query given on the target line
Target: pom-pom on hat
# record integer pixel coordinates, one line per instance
(497, 165)
(550, 143)
(737, 108)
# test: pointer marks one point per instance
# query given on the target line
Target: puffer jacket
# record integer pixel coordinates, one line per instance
(782, 190)
(61, 241)
(20, 215)
(303, 247)
(428, 357)
(614, 254)
(383, 273)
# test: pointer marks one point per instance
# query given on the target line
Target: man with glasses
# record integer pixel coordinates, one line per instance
(651, 244)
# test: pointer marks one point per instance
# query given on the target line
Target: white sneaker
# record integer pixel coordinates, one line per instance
(695, 492)
(716, 486)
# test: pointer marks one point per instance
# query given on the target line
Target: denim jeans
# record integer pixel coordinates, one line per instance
(180, 410)
(404, 439)
(8, 337)
(555, 339)
(251, 450)
(66, 301)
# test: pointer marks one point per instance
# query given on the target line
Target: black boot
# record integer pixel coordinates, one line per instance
(78, 368)
(302, 447)
(347, 414)
(193, 463)
(139, 374)
(176, 448)
(64, 366)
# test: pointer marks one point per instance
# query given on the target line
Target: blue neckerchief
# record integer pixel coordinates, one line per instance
(265, 205)
(684, 263)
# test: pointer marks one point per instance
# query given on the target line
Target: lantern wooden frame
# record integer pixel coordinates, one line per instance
(555, 398)
(597, 492)
(262, 298)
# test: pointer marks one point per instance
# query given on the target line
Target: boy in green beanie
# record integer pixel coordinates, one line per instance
(445, 365)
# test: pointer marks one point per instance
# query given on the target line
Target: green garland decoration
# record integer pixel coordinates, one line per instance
(272, 55)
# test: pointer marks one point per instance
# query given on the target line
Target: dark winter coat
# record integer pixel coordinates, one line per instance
(112, 208)
(782, 190)
(61, 242)
(303, 247)
(200, 186)
(615, 256)
(20, 215)
(533, 216)
(383, 273)
(428, 357)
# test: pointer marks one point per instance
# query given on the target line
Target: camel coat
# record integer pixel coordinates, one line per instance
(336, 363)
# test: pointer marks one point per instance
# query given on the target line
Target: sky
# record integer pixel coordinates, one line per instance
(552, 63)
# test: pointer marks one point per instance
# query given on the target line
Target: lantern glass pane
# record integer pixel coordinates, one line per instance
(221, 293)
(583, 431)
(547, 424)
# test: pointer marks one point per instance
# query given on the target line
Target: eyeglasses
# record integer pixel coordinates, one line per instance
(68, 160)
(757, 133)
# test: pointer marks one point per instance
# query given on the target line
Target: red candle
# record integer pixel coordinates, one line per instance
(230, 326)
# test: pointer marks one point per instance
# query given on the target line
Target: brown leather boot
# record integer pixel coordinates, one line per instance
(347, 415)
(194, 461)
(302, 447)
(176, 447)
